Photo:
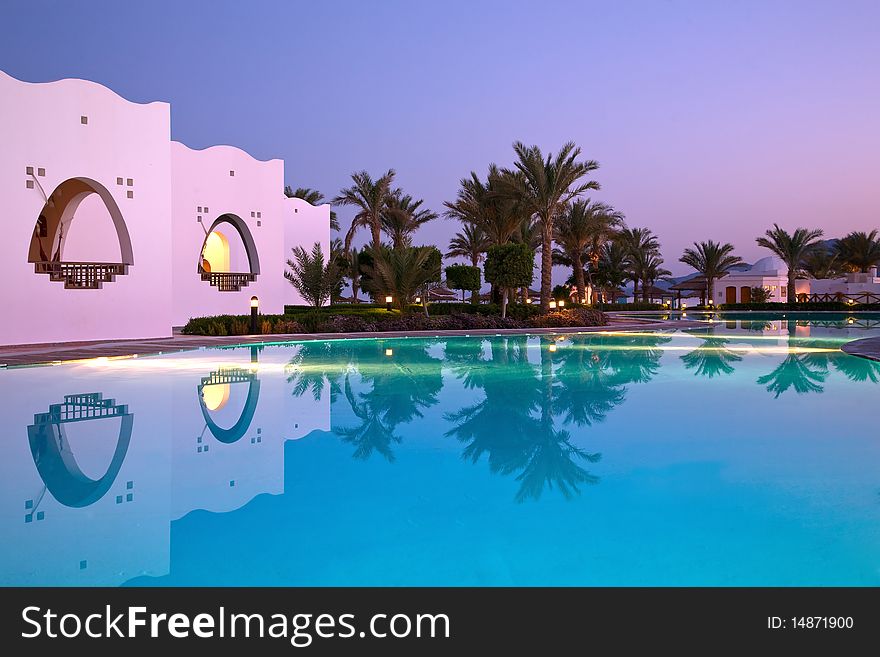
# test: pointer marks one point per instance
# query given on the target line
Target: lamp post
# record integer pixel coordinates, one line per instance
(255, 306)
(388, 301)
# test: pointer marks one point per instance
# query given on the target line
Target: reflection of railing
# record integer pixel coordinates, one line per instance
(81, 275)
(77, 408)
(840, 297)
(226, 281)
(231, 375)
(228, 375)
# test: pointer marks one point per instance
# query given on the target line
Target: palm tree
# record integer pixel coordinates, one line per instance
(859, 250)
(642, 247)
(370, 197)
(580, 231)
(484, 205)
(314, 279)
(470, 242)
(791, 249)
(822, 263)
(611, 270)
(401, 272)
(402, 217)
(544, 187)
(713, 260)
(312, 196)
(352, 271)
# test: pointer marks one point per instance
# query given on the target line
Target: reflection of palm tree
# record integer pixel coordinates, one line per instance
(794, 372)
(635, 359)
(712, 358)
(588, 387)
(318, 366)
(372, 434)
(855, 368)
(400, 387)
(514, 425)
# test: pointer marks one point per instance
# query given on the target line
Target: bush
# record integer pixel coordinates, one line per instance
(569, 318)
(522, 317)
(629, 306)
(514, 310)
(463, 277)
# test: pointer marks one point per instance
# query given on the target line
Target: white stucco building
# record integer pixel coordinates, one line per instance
(770, 273)
(112, 230)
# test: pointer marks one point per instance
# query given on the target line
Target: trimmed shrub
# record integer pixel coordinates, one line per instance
(629, 306)
(463, 277)
(570, 318)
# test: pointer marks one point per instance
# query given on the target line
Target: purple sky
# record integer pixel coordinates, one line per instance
(709, 119)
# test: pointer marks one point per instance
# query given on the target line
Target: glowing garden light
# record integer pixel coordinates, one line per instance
(562, 303)
(552, 305)
(255, 306)
(388, 301)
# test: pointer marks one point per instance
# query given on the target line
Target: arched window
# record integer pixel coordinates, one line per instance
(80, 238)
(228, 259)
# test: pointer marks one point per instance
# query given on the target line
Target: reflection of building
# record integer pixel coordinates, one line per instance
(124, 233)
(93, 481)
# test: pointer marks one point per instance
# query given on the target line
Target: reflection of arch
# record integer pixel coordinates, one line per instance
(228, 376)
(227, 281)
(55, 461)
(52, 226)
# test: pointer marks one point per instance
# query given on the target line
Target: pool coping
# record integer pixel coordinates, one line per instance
(864, 348)
(12, 356)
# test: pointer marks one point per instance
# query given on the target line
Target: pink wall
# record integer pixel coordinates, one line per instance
(124, 150)
(304, 224)
(41, 127)
(200, 179)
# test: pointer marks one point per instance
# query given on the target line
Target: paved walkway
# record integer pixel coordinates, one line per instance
(866, 348)
(43, 354)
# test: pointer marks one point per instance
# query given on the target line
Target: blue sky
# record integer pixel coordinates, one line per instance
(709, 119)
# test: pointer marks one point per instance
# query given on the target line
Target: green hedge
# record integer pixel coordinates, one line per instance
(629, 306)
(514, 310)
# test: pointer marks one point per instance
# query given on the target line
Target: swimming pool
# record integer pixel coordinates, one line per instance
(742, 452)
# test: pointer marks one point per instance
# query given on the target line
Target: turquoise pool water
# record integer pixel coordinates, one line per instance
(743, 452)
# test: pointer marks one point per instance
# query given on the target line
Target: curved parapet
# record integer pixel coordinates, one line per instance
(223, 191)
(55, 136)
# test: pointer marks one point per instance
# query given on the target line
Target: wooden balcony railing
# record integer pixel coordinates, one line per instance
(81, 275)
(227, 281)
(860, 297)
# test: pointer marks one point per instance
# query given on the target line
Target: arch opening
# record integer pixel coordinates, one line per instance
(213, 394)
(56, 461)
(228, 259)
(80, 237)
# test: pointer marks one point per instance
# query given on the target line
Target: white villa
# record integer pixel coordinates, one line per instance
(112, 230)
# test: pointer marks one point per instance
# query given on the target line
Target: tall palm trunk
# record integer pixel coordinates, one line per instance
(546, 262)
(579, 282)
(377, 237)
(792, 275)
(710, 289)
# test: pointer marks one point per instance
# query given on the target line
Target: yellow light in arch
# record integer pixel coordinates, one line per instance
(215, 396)
(216, 252)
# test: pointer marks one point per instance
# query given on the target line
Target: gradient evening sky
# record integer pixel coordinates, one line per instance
(709, 119)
